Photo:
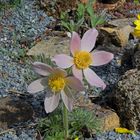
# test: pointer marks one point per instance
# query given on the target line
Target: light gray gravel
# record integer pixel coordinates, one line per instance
(19, 25)
(115, 136)
(26, 25)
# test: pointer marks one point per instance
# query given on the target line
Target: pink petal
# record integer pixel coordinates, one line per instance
(77, 73)
(101, 58)
(89, 39)
(74, 83)
(69, 93)
(75, 43)
(37, 85)
(42, 69)
(67, 101)
(51, 102)
(59, 71)
(63, 61)
(93, 79)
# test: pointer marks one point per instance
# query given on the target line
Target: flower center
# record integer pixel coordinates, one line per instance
(56, 83)
(82, 59)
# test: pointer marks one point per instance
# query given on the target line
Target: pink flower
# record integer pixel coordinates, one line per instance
(83, 58)
(57, 83)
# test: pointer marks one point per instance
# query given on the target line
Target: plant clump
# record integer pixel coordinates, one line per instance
(4, 4)
(82, 124)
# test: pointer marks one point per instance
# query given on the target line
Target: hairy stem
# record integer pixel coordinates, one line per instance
(65, 121)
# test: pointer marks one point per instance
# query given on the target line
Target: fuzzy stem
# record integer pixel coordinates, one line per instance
(65, 121)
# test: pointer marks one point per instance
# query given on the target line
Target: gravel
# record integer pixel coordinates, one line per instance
(116, 136)
(25, 135)
(24, 23)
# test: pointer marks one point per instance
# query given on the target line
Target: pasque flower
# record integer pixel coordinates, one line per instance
(58, 84)
(83, 58)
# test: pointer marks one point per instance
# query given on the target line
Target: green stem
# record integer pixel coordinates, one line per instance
(65, 121)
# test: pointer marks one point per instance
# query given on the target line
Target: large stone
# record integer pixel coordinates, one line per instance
(122, 22)
(50, 47)
(14, 111)
(109, 119)
(117, 32)
(126, 99)
(119, 35)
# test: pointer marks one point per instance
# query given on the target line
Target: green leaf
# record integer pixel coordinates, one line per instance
(64, 16)
(96, 20)
(93, 21)
(66, 25)
(80, 10)
(80, 22)
(100, 21)
(72, 26)
(89, 10)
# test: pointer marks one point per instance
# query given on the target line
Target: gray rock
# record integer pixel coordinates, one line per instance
(136, 57)
(126, 99)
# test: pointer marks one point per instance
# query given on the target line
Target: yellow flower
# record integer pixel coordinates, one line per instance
(137, 22)
(137, 31)
(124, 131)
(137, 28)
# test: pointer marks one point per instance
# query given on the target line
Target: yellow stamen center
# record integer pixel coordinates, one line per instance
(82, 59)
(56, 83)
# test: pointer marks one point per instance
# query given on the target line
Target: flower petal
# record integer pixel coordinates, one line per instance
(138, 16)
(42, 69)
(137, 33)
(93, 79)
(101, 58)
(77, 73)
(63, 61)
(122, 130)
(70, 93)
(137, 27)
(67, 101)
(51, 102)
(74, 83)
(37, 85)
(137, 22)
(60, 72)
(75, 43)
(89, 39)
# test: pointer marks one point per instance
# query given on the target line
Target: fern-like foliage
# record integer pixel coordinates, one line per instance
(82, 123)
